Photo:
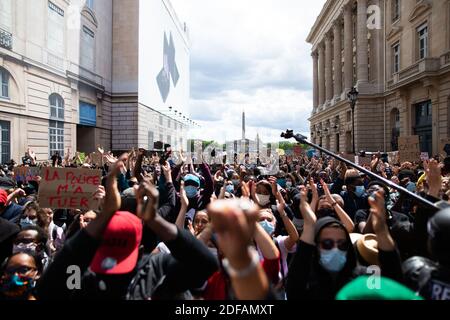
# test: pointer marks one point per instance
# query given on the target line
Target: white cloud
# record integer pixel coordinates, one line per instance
(249, 55)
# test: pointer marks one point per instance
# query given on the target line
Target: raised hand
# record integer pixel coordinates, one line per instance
(313, 188)
(183, 197)
(99, 195)
(434, 177)
(327, 192)
(147, 197)
(167, 171)
(308, 215)
(234, 223)
(378, 211)
(245, 187)
(273, 184)
(112, 198)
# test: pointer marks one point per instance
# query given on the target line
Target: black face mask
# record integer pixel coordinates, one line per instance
(326, 212)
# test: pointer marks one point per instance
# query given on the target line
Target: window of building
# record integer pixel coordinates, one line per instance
(56, 124)
(396, 57)
(56, 107)
(6, 15)
(151, 141)
(395, 125)
(87, 48)
(55, 29)
(396, 6)
(5, 142)
(88, 114)
(56, 133)
(422, 33)
(161, 139)
(160, 121)
(168, 123)
(176, 125)
(349, 116)
(169, 139)
(4, 80)
(90, 4)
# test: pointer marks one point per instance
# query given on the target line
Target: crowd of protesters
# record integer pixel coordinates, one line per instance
(316, 229)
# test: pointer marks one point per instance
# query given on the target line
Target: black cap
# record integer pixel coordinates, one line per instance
(324, 222)
(439, 236)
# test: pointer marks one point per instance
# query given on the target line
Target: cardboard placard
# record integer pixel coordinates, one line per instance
(26, 174)
(409, 148)
(363, 160)
(69, 188)
(393, 157)
(424, 156)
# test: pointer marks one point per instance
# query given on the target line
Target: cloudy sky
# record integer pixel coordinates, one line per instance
(249, 55)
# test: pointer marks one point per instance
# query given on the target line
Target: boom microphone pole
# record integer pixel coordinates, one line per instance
(302, 139)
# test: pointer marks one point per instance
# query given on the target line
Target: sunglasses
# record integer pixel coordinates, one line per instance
(329, 244)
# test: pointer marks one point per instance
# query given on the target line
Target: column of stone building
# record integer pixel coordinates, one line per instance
(362, 43)
(315, 80)
(328, 68)
(348, 48)
(337, 59)
(321, 76)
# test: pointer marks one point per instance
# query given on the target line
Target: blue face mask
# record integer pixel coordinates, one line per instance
(17, 287)
(333, 260)
(359, 191)
(268, 227)
(229, 188)
(411, 186)
(27, 222)
(191, 191)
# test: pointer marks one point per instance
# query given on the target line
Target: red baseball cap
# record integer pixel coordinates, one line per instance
(119, 251)
(3, 196)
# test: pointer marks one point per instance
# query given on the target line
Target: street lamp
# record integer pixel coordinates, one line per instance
(352, 97)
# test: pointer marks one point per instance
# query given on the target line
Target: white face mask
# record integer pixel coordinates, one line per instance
(263, 199)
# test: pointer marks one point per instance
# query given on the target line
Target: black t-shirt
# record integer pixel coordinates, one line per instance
(27, 160)
(56, 158)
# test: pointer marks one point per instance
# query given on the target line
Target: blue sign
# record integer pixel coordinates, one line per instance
(88, 114)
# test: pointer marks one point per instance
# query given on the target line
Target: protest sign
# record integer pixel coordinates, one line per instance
(26, 174)
(69, 188)
(363, 160)
(393, 157)
(409, 148)
(424, 156)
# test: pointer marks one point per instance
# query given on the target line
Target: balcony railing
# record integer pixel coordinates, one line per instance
(6, 40)
(445, 59)
(423, 66)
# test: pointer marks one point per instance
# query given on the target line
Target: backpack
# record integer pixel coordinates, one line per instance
(142, 286)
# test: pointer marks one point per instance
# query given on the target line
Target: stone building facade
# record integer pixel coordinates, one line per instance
(397, 54)
(69, 79)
